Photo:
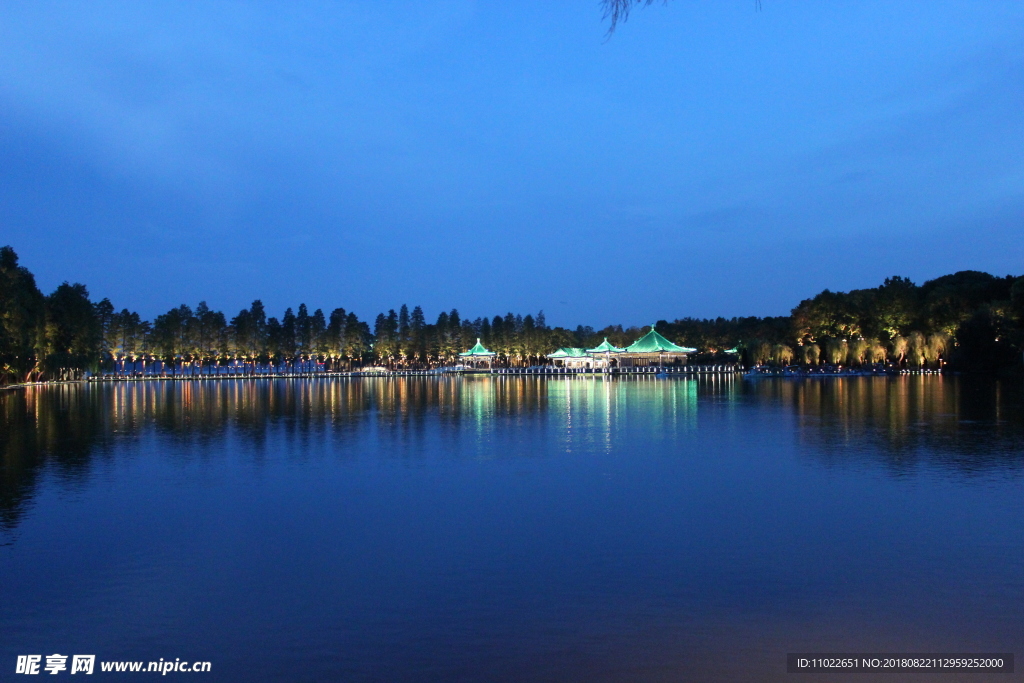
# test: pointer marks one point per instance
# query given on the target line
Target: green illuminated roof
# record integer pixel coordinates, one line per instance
(652, 342)
(605, 347)
(478, 350)
(568, 352)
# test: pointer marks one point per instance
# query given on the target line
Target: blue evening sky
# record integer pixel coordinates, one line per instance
(708, 159)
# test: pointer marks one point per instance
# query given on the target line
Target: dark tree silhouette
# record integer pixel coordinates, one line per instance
(617, 11)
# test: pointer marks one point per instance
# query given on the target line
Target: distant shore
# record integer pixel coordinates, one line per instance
(969, 321)
(724, 370)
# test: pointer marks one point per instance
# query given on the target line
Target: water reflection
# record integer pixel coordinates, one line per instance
(960, 426)
(600, 413)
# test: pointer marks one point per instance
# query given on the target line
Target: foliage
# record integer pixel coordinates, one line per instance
(73, 332)
(21, 319)
(970, 319)
(617, 11)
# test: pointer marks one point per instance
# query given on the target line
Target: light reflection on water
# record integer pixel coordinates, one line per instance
(511, 528)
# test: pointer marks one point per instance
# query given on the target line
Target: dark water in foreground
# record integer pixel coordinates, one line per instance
(511, 529)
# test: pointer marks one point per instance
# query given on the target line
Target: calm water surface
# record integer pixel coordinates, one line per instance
(485, 529)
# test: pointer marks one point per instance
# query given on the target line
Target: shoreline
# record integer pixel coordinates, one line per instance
(498, 372)
(685, 371)
(693, 371)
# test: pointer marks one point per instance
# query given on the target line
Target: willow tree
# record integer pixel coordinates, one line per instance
(761, 352)
(782, 354)
(810, 353)
(858, 352)
(917, 348)
(617, 11)
(836, 350)
(876, 351)
(936, 346)
(899, 346)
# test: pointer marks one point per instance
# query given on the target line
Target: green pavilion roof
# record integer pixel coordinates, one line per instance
(605, 347)
(652, 342)
(478, 350)
(569, 352)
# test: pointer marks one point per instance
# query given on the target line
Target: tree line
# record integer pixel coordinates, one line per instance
(970, 318)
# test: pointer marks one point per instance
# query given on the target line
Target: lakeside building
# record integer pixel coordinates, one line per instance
(650, 350)
(602, 355)
(653, 349)
(477, 356)
(570, 357)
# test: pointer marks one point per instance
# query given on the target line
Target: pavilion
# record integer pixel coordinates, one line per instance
(653, 349)
(477, 355)
(605, 355)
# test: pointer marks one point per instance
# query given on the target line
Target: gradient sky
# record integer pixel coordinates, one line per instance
(708, 159)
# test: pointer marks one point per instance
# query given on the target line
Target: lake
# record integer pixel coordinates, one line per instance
(511, 529)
